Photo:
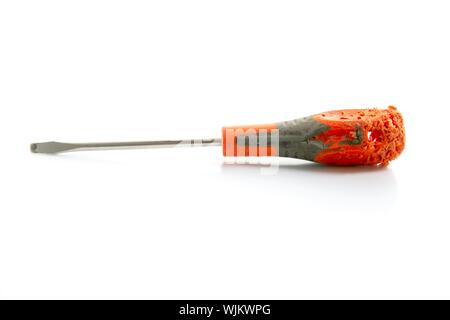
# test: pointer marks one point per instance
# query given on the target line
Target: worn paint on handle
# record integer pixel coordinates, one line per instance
(341, 137)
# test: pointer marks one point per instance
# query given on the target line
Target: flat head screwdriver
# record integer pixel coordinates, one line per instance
(341, 137)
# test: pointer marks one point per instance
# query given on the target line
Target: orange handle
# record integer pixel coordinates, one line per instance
(341, 137)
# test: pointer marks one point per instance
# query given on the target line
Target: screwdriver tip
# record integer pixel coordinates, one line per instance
(33, 147)
(50, 147)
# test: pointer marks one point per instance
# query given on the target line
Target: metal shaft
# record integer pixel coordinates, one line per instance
(58, 147)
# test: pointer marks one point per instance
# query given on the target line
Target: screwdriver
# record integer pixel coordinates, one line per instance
(341, 137)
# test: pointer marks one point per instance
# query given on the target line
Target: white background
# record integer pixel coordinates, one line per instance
(179, 223)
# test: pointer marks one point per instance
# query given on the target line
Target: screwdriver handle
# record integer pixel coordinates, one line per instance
(341, 137)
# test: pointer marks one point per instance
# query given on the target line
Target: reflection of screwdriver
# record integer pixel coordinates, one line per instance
(343, 137)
